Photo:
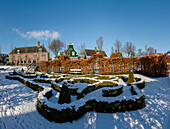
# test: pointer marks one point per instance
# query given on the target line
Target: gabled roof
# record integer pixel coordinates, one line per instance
(118, 54)
(102, 52)
(33, 49)
(89, 52)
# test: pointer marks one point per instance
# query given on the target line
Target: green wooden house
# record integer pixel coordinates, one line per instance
(70, 52)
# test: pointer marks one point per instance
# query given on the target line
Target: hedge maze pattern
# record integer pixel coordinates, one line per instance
(100, 96)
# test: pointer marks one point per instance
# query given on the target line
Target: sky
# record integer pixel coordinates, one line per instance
(83, 21)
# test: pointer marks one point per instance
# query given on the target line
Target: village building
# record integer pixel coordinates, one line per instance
(116, 54)
(88, 53)
(4, 59)
(28, 55)
(70, 52)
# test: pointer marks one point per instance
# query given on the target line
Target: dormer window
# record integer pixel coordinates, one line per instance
(40, 49)
(18, 51)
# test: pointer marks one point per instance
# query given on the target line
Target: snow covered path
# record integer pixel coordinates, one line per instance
(17, 109)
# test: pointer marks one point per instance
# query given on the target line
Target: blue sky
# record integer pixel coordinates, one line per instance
(138, 21)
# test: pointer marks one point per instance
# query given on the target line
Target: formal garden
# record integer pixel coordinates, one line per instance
(67, 97)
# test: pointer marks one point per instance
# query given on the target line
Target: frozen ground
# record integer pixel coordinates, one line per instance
(17, 109)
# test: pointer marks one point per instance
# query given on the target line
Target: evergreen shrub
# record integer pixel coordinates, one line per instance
(64, 95)
(130, 79)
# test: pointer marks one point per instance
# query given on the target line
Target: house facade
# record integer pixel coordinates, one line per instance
(28, 55)
(70, 52)
(4, 59)
(88, 53)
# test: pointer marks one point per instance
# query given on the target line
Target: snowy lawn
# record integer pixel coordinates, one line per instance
(18, 109)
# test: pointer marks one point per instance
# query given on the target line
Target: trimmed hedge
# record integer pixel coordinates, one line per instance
(106, 84)
(43, 81)
(141, 85)
(112, 92)
(68, 115)
(35, 87)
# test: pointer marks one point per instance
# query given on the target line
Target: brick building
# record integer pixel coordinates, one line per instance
(28, 55)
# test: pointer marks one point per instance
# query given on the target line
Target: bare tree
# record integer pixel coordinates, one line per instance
(55, 46)
(129, 49)
(112, 49)
(146, 50)
(150, 50)
(81, 48)
(140, 53)
(99, 43)
(118, 45)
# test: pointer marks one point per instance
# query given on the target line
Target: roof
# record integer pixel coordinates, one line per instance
(4, 55)
(118, 54)
(156, 54)
(33, 49)
(91, 52)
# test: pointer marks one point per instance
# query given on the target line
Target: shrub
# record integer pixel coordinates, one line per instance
(64, 95)
(14, 73)
(130, 79)
(22, 70)
(137, 79)
(106, 84)
(92, 74)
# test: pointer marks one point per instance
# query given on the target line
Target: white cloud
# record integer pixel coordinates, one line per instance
(44, 34)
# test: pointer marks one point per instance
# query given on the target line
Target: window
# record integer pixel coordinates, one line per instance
(18, 51)
(34, 61)
(40, 49)
(73, 53)
(34, 55)
(68, 53)
(43, 55)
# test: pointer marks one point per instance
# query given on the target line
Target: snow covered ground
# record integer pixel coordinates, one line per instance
(18, 110)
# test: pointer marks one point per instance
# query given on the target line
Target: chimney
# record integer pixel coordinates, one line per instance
(115, 51)
(155, 51)
(95, 48)
(38, 44)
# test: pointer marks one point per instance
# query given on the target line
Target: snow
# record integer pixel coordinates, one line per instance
(12, 68)
(18, 109)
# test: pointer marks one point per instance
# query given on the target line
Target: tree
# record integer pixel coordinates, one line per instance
(81, 48)
(129, 49)
(118, 45)
(150, 50)
(146, 50)
(56, 46)
(140, 53)
(112, 50)
(99, 43)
